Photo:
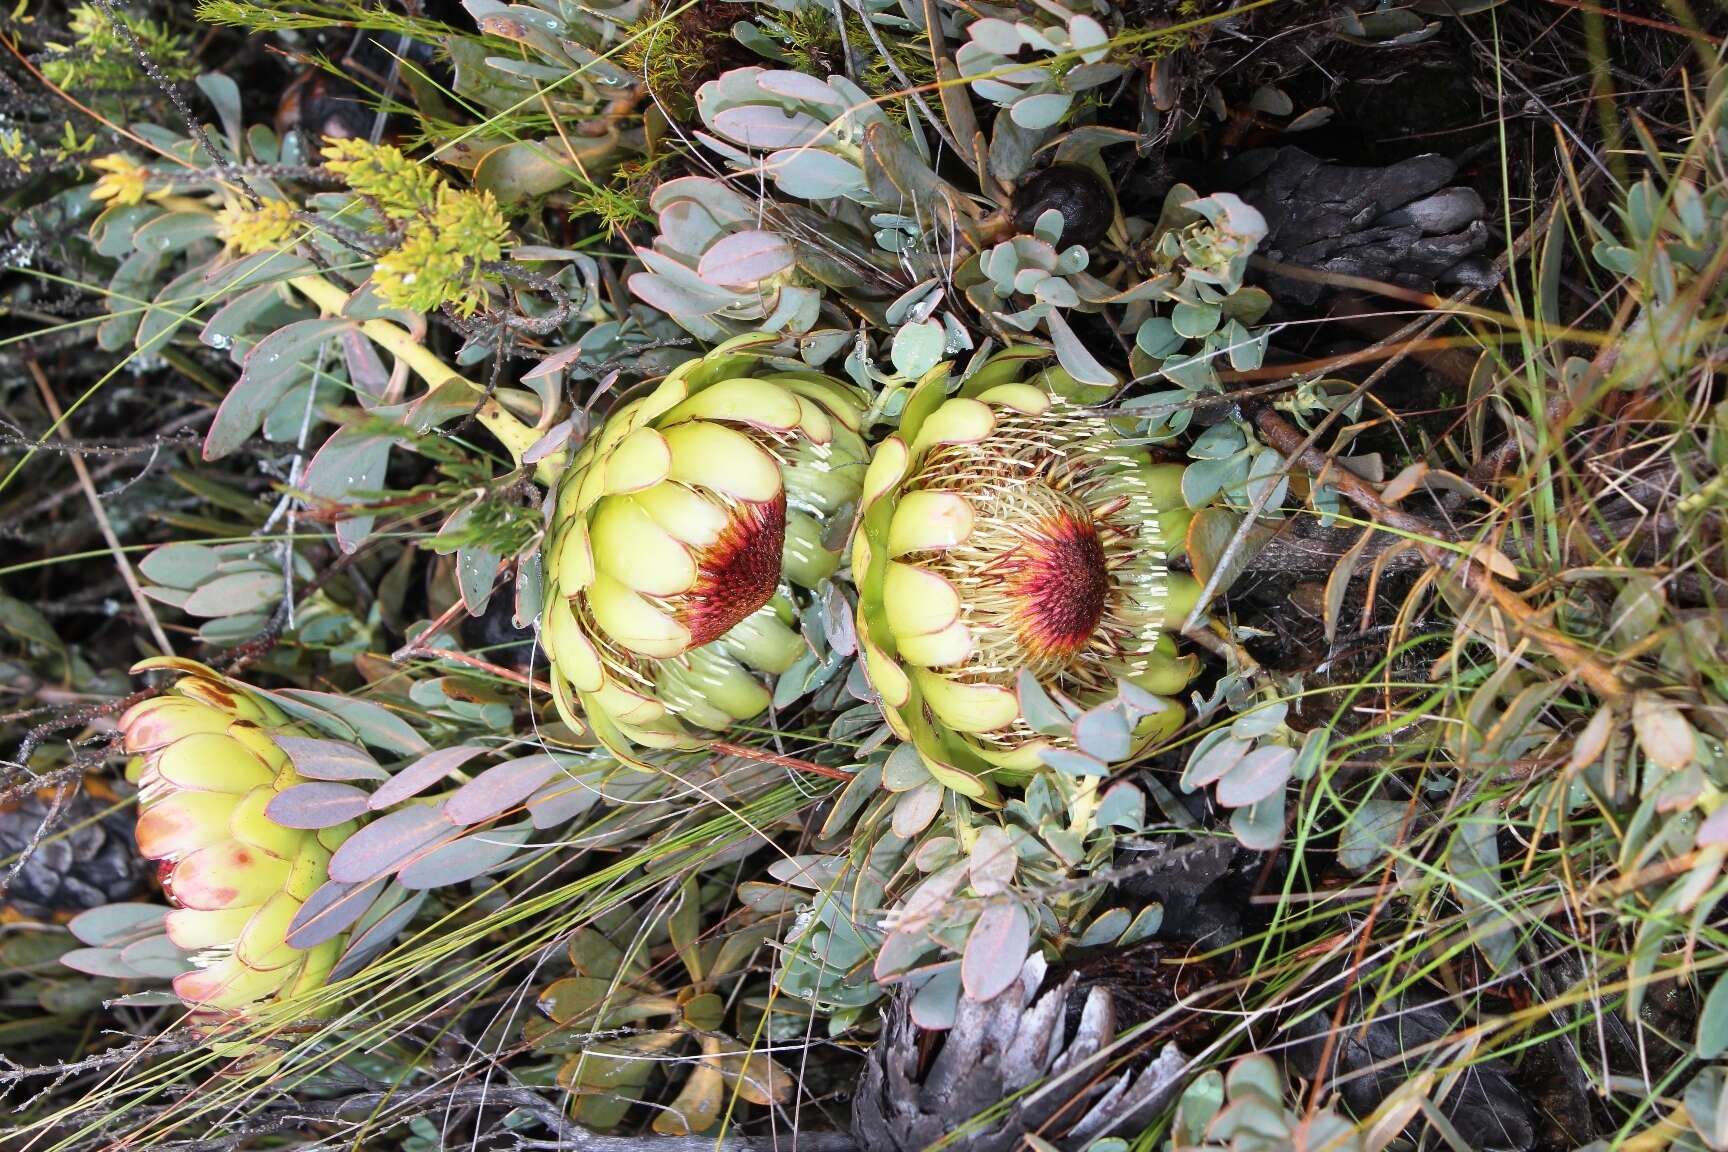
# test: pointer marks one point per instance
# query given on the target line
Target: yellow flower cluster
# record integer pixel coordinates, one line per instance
(442, 259)
(400, 186)
(449, 236)
(125, 181)
(268, 227)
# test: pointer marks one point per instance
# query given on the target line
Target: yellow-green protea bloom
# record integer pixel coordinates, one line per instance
(678, 525)
(236, 878)
(1004, 528)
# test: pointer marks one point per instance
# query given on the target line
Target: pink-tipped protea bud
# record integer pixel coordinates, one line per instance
(236, 878)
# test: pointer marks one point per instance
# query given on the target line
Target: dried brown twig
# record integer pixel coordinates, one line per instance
(1434, 544)
(102, 523)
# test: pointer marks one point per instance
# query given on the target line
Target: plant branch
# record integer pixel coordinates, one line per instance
(102, 522)
(512, 433)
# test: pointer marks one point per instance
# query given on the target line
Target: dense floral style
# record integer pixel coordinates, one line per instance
(676, 526)
(1005, 528)
(211, 763)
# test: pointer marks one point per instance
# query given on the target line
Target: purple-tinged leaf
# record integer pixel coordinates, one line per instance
(181, 565)
(676, 299)
(914, 810)
(744, 259)
(329, 911)
(899, 951)
(464, 859)
(904, 769)
(262, 267)
(1213, 762)
(993, 35)
(113, 923)
(1123, 806)
(556, 362)
(374, 938)
(1256, 776)
(552, 442)
(1073, 763)
(812, 174)
(366, 370)
(377, 726)
(173, 597)
(422, 774)
(935, 852)
(1714, 830)
(559, 801)
(1663, 732)
(477, 572)
(839, 622)
(812, 872)
(993, 860)
(258, 308)
(388, 843)
(312, 715)
(530, 591)
(318, 759)
(1073, 354)
(768, 899)
(932, 896)
(767, 127)
(1103, 732)
(1260, 827)
(322, 804)
(1042, 713)
(995, 949)
(500, 788)
(799, 86)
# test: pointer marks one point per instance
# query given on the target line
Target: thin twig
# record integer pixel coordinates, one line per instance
(55, 807)
(745, 752)
(148, 1046)
(423, 652)
(1642, 21)
(1430, 540)
(194, 127)
(102, 522)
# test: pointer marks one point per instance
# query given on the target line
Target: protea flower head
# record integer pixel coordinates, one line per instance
(1004, 528)
(675, 527)
(236, 878)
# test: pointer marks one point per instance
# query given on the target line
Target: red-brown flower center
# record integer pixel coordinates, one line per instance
(1062, 581)
(738, 573)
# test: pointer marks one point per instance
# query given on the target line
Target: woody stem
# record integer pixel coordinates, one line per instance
(516, 436)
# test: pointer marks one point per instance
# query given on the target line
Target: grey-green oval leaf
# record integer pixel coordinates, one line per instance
(276, 363)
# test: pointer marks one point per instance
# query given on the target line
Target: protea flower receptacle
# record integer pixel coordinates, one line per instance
(1004, 528)
(236, 878)
(674, 529)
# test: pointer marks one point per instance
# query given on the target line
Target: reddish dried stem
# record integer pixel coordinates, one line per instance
(745, 752)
